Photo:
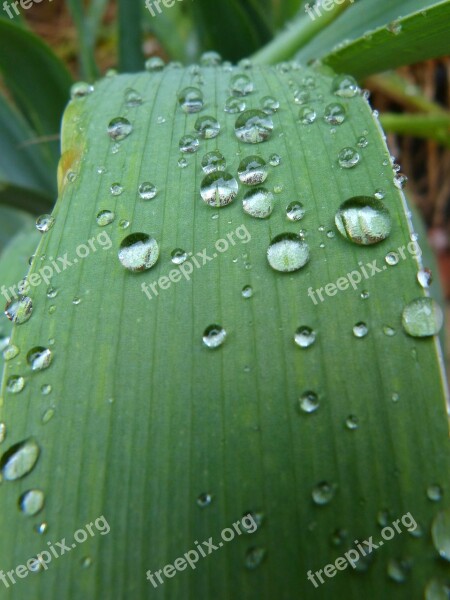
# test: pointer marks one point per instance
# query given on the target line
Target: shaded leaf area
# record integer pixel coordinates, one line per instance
(146, 420)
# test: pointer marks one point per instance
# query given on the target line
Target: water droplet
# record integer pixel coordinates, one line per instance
(48, 416)
(204, 500)
(334, 114)
(80, 89)
(124, 224)
(191, 100)
(44, 223)
(425, 278)
(360, 330)
(434, 492)
(422, 317)
(189, 144)
(10, 352)
(305, 337)
(155, 63)
(210, 59)
(76, 301)
(352, 422)
(138, 252)
(440, 532)
(348, 158)
(132, 98)
(394, 27)
(182, 163)
(275, 160)
(437, 590)
(247, 291)
(104, 217)
(32, 502)
(270, 105)
(119, 128)
(41, 528)
(400, 180)
(213, 161)
(116, 189)
(295, 211)
(287, 252)
(323, 493)
(301, 96)
(207, 127)
(309, 402)
(363, 220)
(214, 336)
(392, 259)
(19, 460)
(379, 194)
(19, 310)
(179, 256)
(345, 86)
(398, 570)
(46, 389)
(258, 203)
(219, 189)
(253, 170)
(389, 331)
(253, 127)
(234, 105)
(147, 190)
(15, 384)
(307, 115)
(39, 358)
(241, 85)
(254, 557)
(362, 142)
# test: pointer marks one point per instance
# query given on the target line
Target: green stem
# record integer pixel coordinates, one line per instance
(298, 34)
(431, 126)
(131, 57)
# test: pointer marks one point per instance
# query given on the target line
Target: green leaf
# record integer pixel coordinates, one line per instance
(87, 21)
(26, 175)
(146, 418)
(37, 79)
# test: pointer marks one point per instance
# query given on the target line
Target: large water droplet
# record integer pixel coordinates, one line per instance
(335, 114)
(253, 127)
(258, 203)
(191, 100)
(307, 115)
(214, 336)
(345, 86)
(348, 158)
(241, 85)
(44, 223)
(213, 161)
(422, 317)
(19, 460)
(119, 128)
(219, 189)
(19, 310)
(138, 252)
(287, 252)
(147, 190)
(363, 220)
(234, 105)
(253, 170)
(32, 502)
(207, 127)
(270, 105)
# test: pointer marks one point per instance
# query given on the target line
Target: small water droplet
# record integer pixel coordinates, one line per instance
(308, 402)
(46, 389)
(116, 189)
(179, 256)
(253, 170)
(434, 492)
(287, 252)
(132, 98)
(39, 358)
(213, 161)
(81, 89)
(345, 86)
(422, 317)
(104, 217)
(207, 127)
(400, 180)
(191, 100)
(352, 422)
(119, 128)
(154, 64)
(348, 158)
(425, 278)
(275, 160)
(138, 252)
(258, 203)
(253, 127)
(204, 500)
(323, 493)
(210, 59)
(19, 460)
(247, 291)
(254, 557)
(2, 432)
(189, 144)
(241, 85)
(363, 220)
(32, 502)
(305, 337)
(214, 336)
(360, 330)
(234, 105)
(437, 590)
(44, 223)
(147, 190)
(392, 259)
(295, 211)
(10, 352)
(307, 115)
(15, 384)
(440, 532)
(335, 114)
(270, 105)
(219, 189)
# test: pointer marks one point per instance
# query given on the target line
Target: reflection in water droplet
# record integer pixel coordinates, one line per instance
(258, 203)
(363, 220)
(323, 493)
(425, 278)
(44, 223)
(307, 115)
(19, 310)
(104, 217)
(138, 252)
(32, 502)
(345, 86)
(214, 336)
(434, 492)
(219, 189)
(287, 252)
(360, 330)
(19, 460)
(15, 384)
(191, 100)
(119, 128)
(334, 114)
(295, 211)
(270, 105)
(309, 402)
(213, 161)
(241, 85)
(147, 190)
(235, 105)
(348, 158)
(207, 127)
(305, 337)
(440, 532)
(189, 144)
(39, 358)
(179, 256)
(247, 291)
(422, 317)
(252, 170)
(253, 127)
(204, 500)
